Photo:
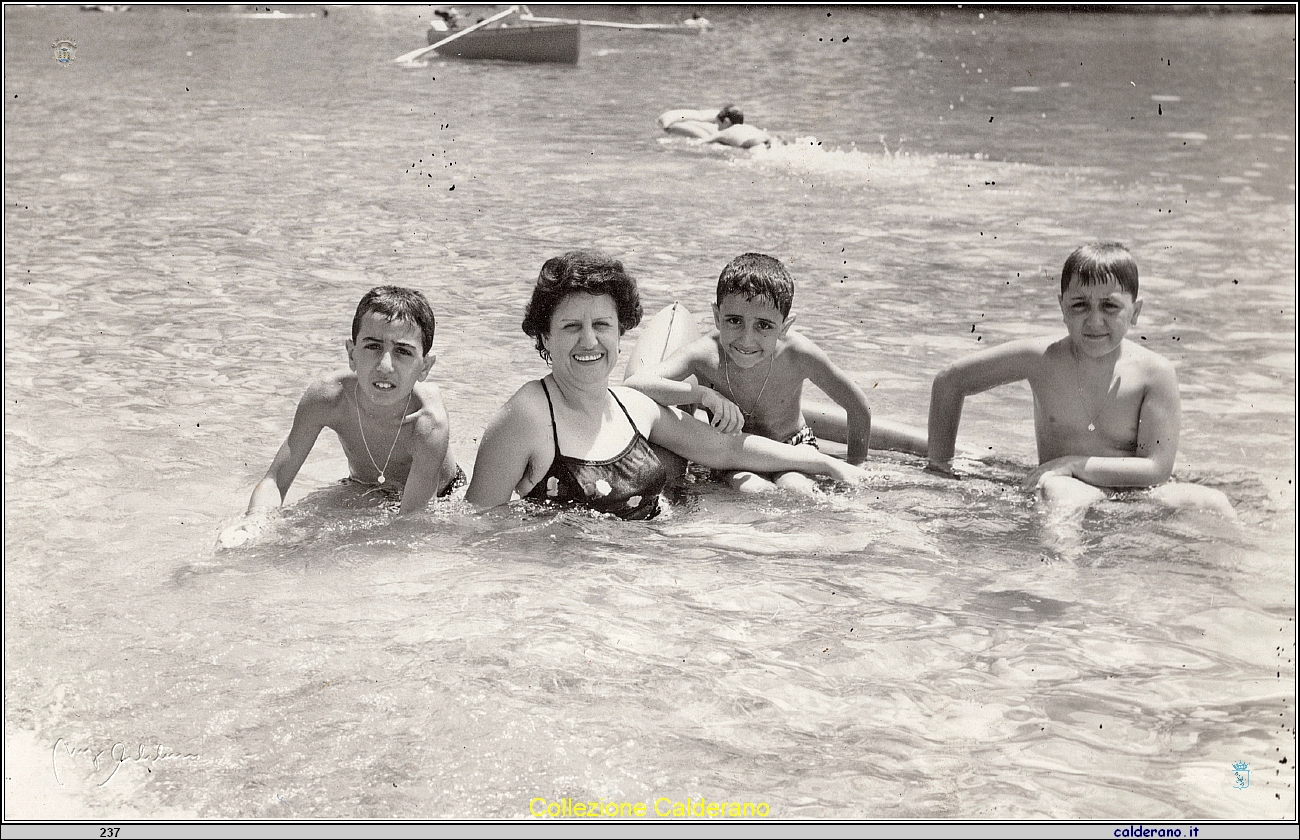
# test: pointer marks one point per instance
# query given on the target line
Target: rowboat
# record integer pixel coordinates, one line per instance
(556, 43)
(551, 39)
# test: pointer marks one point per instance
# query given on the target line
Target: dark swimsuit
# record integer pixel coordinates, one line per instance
(626, 486)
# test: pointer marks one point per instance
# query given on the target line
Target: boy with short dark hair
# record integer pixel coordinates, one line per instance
(391, 424)
(751, 369)
(1106, 410)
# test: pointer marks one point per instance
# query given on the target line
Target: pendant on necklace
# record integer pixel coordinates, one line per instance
(381, 475)
(1092, 427)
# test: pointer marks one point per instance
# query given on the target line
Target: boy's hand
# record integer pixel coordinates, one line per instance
(1057, 466)
(248, 528)
(727, 416)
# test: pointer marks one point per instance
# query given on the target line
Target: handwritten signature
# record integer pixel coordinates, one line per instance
(114, 757)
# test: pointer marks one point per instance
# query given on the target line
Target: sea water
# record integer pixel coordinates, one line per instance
(194, 204)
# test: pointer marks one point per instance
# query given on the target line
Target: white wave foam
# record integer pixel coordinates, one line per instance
(807, 156)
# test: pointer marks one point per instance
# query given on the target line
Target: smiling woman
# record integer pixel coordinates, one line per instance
(570, 439)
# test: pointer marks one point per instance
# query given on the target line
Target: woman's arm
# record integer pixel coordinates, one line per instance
(702, 443)
(504, 453)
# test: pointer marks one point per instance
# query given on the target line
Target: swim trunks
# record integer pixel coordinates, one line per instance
(457, 480)
(626, 486)
(801, 437)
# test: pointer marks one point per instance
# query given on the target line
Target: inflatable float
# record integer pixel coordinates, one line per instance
(671, 327)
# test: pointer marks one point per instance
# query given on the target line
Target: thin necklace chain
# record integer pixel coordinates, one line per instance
(726, 371)
(356, 399)
(1078, 370)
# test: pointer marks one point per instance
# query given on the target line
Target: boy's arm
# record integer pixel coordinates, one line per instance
(664, 384)
(308, 420)
(825, 374)
(429, 446)
(1157, 443)
(670, 118)
(268, 494)
(978, 372)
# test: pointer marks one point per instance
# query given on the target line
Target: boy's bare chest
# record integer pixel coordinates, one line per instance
(374, 446)
(770, 400)
(1066, 403)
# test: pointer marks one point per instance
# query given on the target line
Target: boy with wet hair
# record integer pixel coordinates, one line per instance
(1106, 410)
(751, 370)
(391, 424)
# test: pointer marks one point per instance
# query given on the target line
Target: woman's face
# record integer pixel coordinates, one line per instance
(583, 339)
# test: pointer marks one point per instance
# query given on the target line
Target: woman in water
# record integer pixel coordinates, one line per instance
(570, 439)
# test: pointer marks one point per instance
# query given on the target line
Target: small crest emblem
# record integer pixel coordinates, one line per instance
(65, 49)
(1240, 775)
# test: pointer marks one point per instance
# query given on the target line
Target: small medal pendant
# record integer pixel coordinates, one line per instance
(1092, 427)
(381, 475)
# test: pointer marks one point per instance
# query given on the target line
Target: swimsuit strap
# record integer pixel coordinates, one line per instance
(555, 433)
(636, 433)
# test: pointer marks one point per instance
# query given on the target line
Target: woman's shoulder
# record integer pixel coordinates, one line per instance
(643, 410)
(527, 407)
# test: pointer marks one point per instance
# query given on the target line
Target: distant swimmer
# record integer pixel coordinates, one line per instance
(725, 126)
(446, 20)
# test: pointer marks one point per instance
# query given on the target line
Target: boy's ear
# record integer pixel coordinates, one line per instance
(717, 318)
(352, 346)
(427, 366)
(1137, 308)
(785, 327)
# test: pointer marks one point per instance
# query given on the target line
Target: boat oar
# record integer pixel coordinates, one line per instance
(414, 54)
(654, 27)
